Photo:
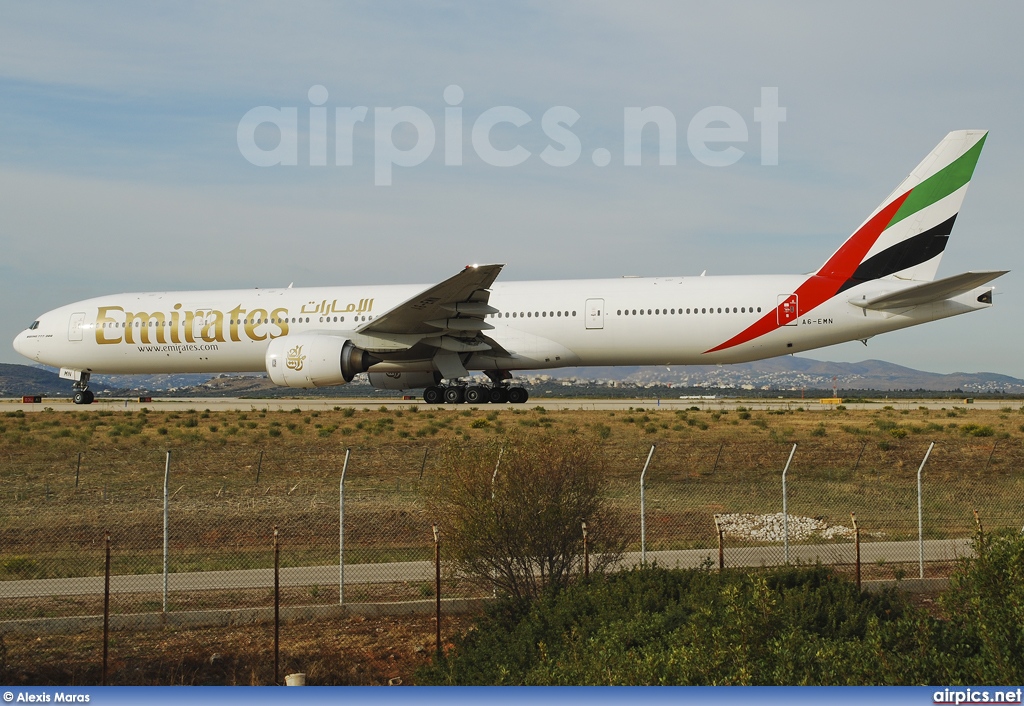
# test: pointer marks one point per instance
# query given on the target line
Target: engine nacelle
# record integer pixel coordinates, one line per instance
(404, 381)
(315, 360)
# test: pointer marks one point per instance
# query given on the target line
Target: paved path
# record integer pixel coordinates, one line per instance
(871, 553)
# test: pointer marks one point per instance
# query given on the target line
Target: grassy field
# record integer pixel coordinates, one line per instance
(66, 478)
(235, 475)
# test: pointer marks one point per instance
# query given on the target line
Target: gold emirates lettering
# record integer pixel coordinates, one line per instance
(115, 325)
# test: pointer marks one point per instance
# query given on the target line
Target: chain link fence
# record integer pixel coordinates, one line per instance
(223, 504)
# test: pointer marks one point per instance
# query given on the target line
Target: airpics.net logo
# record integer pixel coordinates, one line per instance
(714, 135)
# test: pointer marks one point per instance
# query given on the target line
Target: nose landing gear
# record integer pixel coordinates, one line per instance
(82, 393)
(83, 397)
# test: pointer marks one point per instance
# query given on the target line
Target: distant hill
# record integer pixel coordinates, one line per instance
(784, 373)
(793, 373)
(18, 380)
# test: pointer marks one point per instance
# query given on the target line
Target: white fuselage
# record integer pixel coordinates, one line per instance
(542, 324)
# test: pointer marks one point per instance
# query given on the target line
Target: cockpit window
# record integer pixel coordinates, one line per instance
(34, 326)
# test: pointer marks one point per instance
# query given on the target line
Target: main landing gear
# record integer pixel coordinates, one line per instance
(474, 394)
(82, 394)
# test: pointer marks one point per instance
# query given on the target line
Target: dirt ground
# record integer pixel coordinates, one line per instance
(355, 651)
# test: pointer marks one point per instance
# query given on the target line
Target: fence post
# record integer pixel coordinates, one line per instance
(106, 608)
(341, 530)
(857, 464)
(991, 454)
(78, 469)
(785, 509)
(259, 467)
(437, 588)
(717, 457)
(277, 608)
(856, 546)
(167, 503)
(721, 544)
(494, 477)
(497, 465)
(643, 511)
(586, 553)
(920, 514)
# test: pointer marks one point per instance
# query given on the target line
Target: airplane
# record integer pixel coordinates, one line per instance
(430, 337)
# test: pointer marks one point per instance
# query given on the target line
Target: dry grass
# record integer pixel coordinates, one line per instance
(706, 463)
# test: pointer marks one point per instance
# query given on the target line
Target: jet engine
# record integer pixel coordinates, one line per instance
(315, 360)
(404, 381)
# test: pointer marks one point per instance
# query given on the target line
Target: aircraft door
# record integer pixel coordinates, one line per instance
(75, 326)
(595, 313)
(198, 324)
(788, 310)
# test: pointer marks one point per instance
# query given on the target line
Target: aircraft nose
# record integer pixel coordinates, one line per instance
(21, 344)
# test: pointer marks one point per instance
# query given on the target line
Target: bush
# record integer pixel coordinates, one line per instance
(985, 605)
(790, 626)
(657, 626)
(518, 530)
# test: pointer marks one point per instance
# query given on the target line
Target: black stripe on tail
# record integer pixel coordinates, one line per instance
(904, 254)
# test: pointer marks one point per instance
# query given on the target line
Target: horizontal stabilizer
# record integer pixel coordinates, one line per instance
(928, 292)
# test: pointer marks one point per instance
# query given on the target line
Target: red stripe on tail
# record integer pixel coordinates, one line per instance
(824, 285)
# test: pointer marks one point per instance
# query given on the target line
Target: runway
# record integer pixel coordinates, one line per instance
(222, 404)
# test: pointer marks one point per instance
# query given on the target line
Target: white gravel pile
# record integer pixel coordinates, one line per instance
(769, 528)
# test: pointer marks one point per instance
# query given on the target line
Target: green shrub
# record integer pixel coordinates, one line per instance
(985, 605)
(799, 625)
(656, 626)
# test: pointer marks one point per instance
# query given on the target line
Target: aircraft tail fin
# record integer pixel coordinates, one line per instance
(905, 236)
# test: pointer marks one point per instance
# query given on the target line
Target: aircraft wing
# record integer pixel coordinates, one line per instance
(455, 307)
(929, 292)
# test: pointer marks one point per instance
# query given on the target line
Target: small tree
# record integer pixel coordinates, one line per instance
(511, 511)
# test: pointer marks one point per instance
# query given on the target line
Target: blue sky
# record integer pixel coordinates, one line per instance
(120, 168)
